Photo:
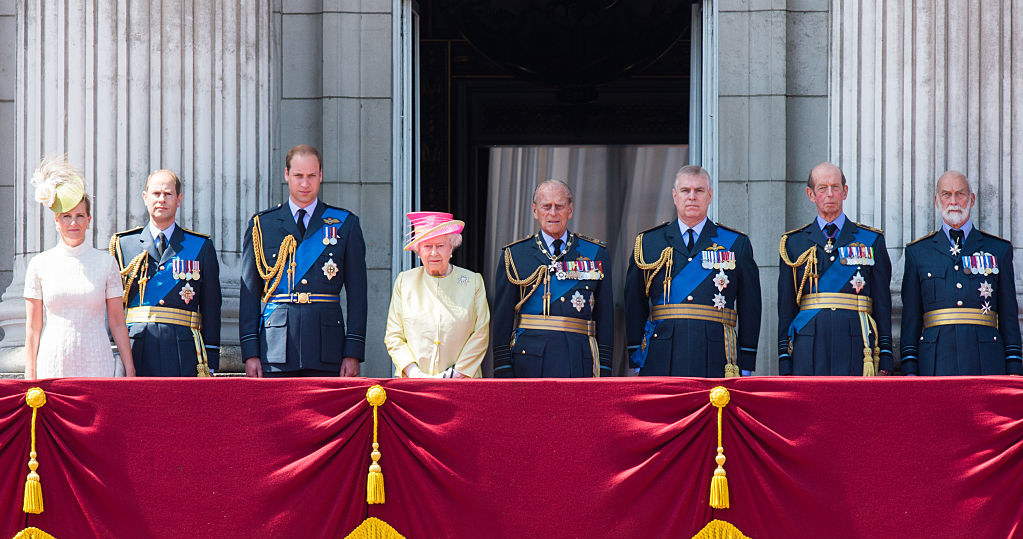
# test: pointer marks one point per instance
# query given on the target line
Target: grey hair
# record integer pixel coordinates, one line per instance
(810, 182)
(954, 174)
(553, 182)
(455, 239)
(692, 170)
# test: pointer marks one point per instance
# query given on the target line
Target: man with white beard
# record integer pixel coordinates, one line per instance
(959, 314)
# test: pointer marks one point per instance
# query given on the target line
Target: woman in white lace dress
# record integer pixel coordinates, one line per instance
(76, 286)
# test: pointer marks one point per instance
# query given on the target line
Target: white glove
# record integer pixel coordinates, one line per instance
(447, 373)
(413, 371)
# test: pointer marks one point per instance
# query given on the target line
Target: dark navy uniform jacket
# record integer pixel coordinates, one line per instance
(935, 279)
(160, 349)
(832, 342)
(685, 347)
(294, 336)
(552, 354)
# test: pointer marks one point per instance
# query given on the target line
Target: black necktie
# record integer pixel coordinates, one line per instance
(557, 246)
(301, 223)
(957, 236)
(831, 230)
(689, 239)
(161, 244)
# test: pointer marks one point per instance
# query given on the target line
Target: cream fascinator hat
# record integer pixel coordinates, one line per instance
(430, 224)
(59, 185)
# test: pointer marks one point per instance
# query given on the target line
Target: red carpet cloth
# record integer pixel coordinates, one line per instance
(624, 458)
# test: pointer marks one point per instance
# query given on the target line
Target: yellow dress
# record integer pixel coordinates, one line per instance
(437, 322)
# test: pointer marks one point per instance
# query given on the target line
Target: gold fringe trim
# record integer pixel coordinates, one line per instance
(719, 397)
(36, 398)
(33, 533)
(719, 529)
(376, 396)
(374, 528)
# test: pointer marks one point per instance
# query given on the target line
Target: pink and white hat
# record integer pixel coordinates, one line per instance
(425, 225)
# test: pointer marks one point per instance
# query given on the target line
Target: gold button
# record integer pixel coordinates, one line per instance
(832, 258)
(959, 285)
(956, 268)
(690, 259)
(161, 302)
(928, 274)
(959, 303)
(275, 255)
(563, 299)
(436, 342)
(832, 308)
(161, 268)
(655, 335)
(995, 338)
(523, 351)
(586, 287)
(690, 298)
(305, 281)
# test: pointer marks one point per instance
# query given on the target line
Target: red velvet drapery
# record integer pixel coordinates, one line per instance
(820, 457)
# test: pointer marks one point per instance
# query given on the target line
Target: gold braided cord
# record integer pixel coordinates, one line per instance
(137, 268)
(651, 269)
(273, 273)
(809, 258)
(374, 528)
(541, 275)
(33, 533)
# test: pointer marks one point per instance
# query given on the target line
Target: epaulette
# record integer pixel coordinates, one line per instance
(331, 206)
(651, 229)
(518, 241)
(921, 238)
(129, 231)
(270, 209)
(591, 240)
(739, 232)
(993, 236)
(194, 233)
(794, 230)
(870, 228)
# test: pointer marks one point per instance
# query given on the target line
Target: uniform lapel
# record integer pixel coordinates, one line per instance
(847, 234)
(706, 237)
(316, 221)
(287, 223)
(972, 243)
(674, 237)
(814, 234)
(173, 244)
(148, 245)
(941, 244)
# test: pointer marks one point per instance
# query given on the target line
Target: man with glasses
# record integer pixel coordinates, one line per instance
(172, 288)
(553, 312)
(959, 314)
(834, 301)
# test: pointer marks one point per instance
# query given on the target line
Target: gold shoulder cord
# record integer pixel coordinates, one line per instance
(809, 258)
(650, 270)
(541, 275)
(138, 265)
(273, 273)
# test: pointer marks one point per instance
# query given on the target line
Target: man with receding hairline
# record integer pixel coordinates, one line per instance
(553, 311)
(834, 300)
(959, 308)
(692, 294)
(172, 288)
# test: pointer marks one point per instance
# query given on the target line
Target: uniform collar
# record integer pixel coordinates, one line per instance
(549, 240)
(966, 228)
(308, 209)
(839, 222)
(155, 231)
(697, 230)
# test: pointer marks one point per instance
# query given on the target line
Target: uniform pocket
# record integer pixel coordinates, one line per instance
(275, 330)
(527, 356)
(332, 337)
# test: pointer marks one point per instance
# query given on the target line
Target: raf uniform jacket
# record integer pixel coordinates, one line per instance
(831, 343)
(291, 334)
(161, 349)
(937, 279)
(688, 347)
(541, 353)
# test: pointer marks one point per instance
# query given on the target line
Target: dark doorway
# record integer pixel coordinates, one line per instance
(513, 95)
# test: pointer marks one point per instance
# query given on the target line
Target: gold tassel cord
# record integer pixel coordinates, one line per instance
(541, 275)
(36, 398)
(809, 258)
(137, 268)
(376, 396)
(719, 397)
(650, 269)
(285, 253)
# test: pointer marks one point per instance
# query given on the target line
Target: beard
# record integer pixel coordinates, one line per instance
(955, 214)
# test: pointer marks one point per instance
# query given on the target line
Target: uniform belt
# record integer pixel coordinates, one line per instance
(163, 315)
(304, 297)
(837, 300)
(706, 313)
(947, 317)
(558, 323)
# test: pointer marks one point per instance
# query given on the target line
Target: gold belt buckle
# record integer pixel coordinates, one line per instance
(303, 297)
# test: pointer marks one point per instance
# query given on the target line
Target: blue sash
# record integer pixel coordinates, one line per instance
(163, 282)
(308, 251)
(534, 305)
(682, 284)
(832, 281)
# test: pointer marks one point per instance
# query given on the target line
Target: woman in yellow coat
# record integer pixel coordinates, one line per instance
(438, 325)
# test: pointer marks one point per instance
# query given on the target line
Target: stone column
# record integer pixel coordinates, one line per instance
(128, 86)
(918, 88)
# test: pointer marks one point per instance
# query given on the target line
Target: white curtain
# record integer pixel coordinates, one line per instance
(619, 191)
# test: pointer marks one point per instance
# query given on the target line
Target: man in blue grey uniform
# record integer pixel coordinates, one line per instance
(691, 284)
(959, 309)
(296, 258)
(172, 288)
(834, 300)
(553, 313)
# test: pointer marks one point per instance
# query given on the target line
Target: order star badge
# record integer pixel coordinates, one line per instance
(986, 307)
(719, 301)
(858, 282)
(330, 269)
(954, 249)
(986, 289)
(721, 280)
(578, 301)
(187, 293)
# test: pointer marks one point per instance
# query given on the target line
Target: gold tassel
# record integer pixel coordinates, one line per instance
(868, 363)
(375, 482)
(35, 397)
(719, 397)
(731, 370)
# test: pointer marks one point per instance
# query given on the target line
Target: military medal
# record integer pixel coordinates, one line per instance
(187, 293)
(858, 282)
(721, 280)
(856, 254)
(980, 263)
(176, 268)
(718, 260)
(986, 289)
(719, 301)
(986, 308)
(330, 269)
(330, 236)
(578, 301)
(954, 249)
